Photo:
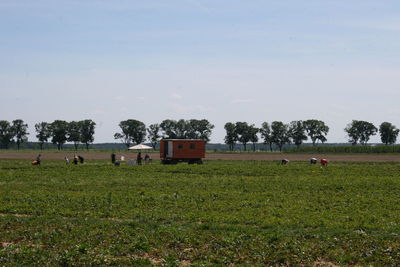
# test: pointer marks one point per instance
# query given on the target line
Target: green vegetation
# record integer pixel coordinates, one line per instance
(342, 149)
(221, 212)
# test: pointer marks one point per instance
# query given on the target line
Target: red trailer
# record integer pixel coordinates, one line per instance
(191, 151)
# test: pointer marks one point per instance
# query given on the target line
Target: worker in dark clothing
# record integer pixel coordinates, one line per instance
(75, 160)
(113, 158)
(139, 158)
(146, 159)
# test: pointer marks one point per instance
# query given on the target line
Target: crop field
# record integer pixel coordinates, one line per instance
(218, 213)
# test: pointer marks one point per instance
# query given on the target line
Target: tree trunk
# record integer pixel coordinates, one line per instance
(41, 145)
(87, 146)
(245, 146)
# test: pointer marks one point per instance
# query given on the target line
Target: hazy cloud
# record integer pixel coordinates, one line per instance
(176, 96)
(119, 98)
(386, 24)
(189, 108)
(243, 100)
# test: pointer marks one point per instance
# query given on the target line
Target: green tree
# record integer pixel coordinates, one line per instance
(20, 132)
(297, 132)
(360, 131)
(388, 133)
(200, 129)
(59, 131)
(279, 134)
(254, 136)
(186, 129)
(133, 131)
(266, 134)
(316, 130)
(171, 130)
(243, 132)
(74, 133)
(231, 136)
(6, 134)
(43, 132)
(153, 132)
(87, 128)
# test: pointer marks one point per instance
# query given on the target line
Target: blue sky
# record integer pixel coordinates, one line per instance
(251, 61)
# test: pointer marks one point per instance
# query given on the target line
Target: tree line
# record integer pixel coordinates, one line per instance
(82, 132)
(296, 132)
(277, 133)
(60, 132)
(135, 132)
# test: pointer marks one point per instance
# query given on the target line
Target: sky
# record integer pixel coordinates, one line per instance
(225, 61)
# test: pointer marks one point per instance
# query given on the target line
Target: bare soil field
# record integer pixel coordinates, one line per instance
(211, 156)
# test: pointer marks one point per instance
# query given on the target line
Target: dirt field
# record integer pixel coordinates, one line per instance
(212, 156)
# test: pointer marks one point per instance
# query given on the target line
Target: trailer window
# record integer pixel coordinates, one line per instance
(192, 146)
(180, 146)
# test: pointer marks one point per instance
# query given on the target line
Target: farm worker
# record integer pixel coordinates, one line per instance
(113, 158)
(75, 159)
(313, 161)
(146, 158)
(324, 162)
(81, 159)
(38, 159)
(66, 160)
(284, 161)
(139, 158)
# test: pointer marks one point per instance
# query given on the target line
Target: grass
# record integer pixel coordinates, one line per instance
(222, 212)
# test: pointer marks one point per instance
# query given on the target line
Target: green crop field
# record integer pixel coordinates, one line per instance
(218, 213)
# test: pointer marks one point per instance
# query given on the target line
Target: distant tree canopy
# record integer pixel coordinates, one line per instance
(245, 133)
(74, 133)
(316, 130)
(254, 135)
(388, 133)
(20, 130)
(186, 129)
(360, 131)
(6, 134)
(43, 132)
(279, 134)
(87, 128)
(265, 131)
(297, 132)
(231, 136)
(62, 131)
(59, 133)
(153, 133)
(133, 131)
